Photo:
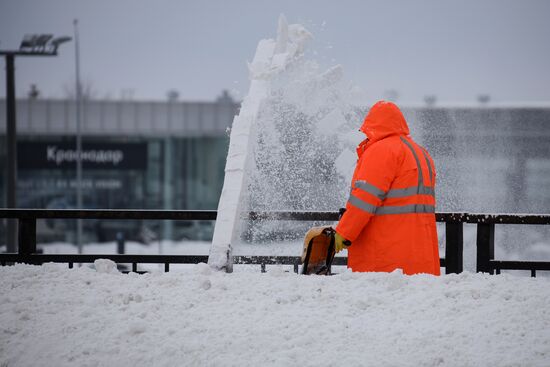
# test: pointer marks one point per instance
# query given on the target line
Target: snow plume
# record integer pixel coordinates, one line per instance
(299, 135)
(295, 123)
(303, 127)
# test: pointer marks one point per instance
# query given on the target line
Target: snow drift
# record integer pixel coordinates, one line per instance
(53, 316)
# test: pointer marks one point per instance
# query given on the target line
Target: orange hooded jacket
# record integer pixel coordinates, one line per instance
(390, 214)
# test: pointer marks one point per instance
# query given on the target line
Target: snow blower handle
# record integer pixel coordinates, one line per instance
(341, 212)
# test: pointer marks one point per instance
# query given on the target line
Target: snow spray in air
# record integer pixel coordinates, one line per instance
(291, 147)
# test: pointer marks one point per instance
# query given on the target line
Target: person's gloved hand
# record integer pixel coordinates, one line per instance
(340, 242)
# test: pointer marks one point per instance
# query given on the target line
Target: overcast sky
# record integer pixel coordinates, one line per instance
(453, 49)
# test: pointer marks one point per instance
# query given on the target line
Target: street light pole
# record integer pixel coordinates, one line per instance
(11, 151)
(78, 137)
(32, 45)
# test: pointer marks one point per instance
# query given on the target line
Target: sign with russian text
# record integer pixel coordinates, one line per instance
(64, 155)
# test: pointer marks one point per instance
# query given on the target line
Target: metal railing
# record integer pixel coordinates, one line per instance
(453, 260)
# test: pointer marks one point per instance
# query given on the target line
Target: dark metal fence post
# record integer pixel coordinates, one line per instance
(485, 247)
(120, 243)
(27, 236)
(454, 245)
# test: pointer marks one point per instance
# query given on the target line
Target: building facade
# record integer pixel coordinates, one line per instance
(146, 155)
(171, 155)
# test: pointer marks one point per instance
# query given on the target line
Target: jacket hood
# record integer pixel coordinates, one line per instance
(384, 119)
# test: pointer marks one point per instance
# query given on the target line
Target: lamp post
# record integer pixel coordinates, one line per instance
(78, 98)
(32, 45)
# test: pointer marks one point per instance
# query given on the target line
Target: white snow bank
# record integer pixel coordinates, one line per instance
(53, 316)
(105, 266)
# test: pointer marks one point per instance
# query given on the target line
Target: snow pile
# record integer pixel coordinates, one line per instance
(105, 266)
(52, 316)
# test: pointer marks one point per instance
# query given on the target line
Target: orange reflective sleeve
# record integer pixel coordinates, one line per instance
(353, 222)
(374, 174)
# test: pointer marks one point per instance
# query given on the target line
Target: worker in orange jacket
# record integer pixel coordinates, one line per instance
(389, 221)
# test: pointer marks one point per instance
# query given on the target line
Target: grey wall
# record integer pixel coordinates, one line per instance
(57, 117)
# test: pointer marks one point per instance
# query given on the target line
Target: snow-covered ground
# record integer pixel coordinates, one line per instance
(53, 316)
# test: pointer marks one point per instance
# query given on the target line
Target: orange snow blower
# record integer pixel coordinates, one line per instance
(318, 252)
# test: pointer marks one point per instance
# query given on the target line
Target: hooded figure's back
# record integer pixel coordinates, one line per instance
(390, 215)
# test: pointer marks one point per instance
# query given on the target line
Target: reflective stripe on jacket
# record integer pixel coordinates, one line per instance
(390, 211)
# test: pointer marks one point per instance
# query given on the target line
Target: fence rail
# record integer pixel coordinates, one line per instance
(453, 260)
